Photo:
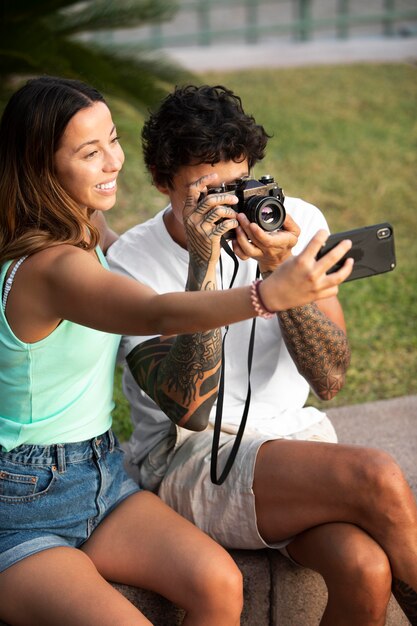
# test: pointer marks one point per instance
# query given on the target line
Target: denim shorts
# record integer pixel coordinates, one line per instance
(56, 495)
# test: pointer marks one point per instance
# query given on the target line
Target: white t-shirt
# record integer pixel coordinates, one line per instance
(278, 392)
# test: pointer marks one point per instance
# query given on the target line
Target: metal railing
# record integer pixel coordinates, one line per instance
(206, 22)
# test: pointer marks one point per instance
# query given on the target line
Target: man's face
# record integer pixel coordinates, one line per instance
(227, 172)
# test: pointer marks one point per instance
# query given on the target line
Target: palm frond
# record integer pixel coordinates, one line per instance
(23, 10)
(106, 14)
(44, 37)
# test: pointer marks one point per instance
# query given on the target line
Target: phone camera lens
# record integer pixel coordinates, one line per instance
(383, 233)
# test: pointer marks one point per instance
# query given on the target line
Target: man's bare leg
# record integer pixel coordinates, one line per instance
(299, 485)
(355, 569)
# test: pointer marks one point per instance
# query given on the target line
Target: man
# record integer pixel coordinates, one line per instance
(343, 511)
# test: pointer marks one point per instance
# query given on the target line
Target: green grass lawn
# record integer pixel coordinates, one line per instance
(344, 138)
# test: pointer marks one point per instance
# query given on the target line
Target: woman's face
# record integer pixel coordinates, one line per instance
(90, 158)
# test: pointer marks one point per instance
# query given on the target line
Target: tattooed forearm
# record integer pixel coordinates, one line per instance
(199, 250)
(180, 374)
(318, 346)
(406, 597)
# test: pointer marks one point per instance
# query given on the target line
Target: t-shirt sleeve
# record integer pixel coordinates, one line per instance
(308, 217)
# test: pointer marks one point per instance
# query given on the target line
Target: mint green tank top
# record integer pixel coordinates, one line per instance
(59, 389)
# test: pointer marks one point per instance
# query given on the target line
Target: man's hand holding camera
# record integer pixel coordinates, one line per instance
(207, 217)
(270, 249)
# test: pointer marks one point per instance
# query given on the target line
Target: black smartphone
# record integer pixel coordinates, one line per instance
(372, 250)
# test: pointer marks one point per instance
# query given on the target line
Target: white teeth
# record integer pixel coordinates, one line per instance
(107, 185)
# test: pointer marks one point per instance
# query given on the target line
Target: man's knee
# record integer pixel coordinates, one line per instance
(369, 565)
(380, 480)
(364, 583)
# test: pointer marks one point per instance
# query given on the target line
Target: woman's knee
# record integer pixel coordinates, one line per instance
(222, 580)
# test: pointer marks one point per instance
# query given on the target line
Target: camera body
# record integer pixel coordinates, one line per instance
(262, 201)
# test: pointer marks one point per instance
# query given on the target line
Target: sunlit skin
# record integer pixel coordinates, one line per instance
(90, 158)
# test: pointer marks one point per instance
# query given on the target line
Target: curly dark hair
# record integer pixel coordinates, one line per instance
(195, 125)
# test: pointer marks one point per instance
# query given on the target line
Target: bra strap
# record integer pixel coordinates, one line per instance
(9, 281)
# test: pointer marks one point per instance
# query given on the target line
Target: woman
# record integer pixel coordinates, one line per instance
(70, 518)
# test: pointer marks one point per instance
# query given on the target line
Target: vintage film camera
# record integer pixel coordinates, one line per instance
(262, 201)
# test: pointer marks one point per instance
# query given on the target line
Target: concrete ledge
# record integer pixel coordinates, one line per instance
(156, 608)
(390, 425)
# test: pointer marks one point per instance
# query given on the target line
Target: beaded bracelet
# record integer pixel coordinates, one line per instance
(257, 302)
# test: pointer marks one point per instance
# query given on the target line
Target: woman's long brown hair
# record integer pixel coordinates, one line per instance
(35, 211)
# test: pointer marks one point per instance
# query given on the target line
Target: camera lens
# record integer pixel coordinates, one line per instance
(266, 211)
(267, 215)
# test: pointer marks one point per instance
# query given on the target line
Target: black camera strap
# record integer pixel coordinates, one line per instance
(218, 480)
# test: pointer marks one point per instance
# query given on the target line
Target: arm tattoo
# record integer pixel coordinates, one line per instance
(199, 250)
(180, 374)
(318, 346)
(200, 244)
(406, 597)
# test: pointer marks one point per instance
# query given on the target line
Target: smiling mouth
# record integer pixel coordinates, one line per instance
(107, 186)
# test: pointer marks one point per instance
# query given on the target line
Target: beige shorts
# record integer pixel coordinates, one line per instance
(225, 512)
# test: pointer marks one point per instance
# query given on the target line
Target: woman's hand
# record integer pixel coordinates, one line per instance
(302, 279)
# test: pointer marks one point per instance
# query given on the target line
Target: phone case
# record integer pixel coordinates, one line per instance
(372, 250)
